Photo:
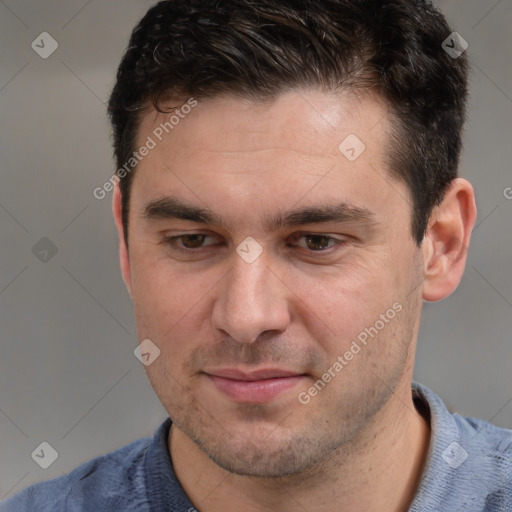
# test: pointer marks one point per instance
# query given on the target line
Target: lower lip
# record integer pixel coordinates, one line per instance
(254, 391)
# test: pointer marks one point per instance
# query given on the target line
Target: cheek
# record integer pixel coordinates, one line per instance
(161, 296)
(336, 306)
(172, 306)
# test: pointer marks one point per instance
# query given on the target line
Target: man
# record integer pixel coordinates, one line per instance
(286, 198)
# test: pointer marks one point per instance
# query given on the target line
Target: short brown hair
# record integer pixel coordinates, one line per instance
(260, 48)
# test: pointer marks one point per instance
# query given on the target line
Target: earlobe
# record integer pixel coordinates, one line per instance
(447, 240)
(123, 250)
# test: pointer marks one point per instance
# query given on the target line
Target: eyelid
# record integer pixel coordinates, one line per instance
(172, 241)
(295, 235)
(339, 242)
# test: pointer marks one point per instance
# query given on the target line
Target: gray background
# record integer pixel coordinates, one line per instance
(68, 375)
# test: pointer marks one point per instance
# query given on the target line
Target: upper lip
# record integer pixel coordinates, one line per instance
(261, 374)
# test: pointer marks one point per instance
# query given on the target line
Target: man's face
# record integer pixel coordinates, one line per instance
(245, 336)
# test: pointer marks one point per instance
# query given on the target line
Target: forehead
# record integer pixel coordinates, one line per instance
(307, 121)
(303, 146)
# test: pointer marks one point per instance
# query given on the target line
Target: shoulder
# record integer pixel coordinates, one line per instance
(488, 446)
(469, 465)
(109, 482)
(484, 453)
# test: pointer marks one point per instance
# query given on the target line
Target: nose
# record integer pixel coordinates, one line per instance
(252, 300)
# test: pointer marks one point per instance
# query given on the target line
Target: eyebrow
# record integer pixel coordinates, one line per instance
(171, 207)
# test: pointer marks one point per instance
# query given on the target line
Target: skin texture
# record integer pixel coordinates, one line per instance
(359, 443)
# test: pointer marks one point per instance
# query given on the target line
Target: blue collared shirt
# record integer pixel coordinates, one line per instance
(468, 469)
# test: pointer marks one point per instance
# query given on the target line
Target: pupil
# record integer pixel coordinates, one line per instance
(324, 244)
(193, 240)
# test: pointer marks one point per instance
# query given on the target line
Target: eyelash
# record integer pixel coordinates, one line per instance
(172, 242)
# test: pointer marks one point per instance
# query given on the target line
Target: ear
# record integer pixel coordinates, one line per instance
(123, 250)
(447, 239)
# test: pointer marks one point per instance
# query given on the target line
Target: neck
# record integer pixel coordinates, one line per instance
(381, 469)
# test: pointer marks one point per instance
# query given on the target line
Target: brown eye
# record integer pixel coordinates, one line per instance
(318, 242)
(192, 241)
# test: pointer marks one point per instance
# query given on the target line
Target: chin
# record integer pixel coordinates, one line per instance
(272, 458)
